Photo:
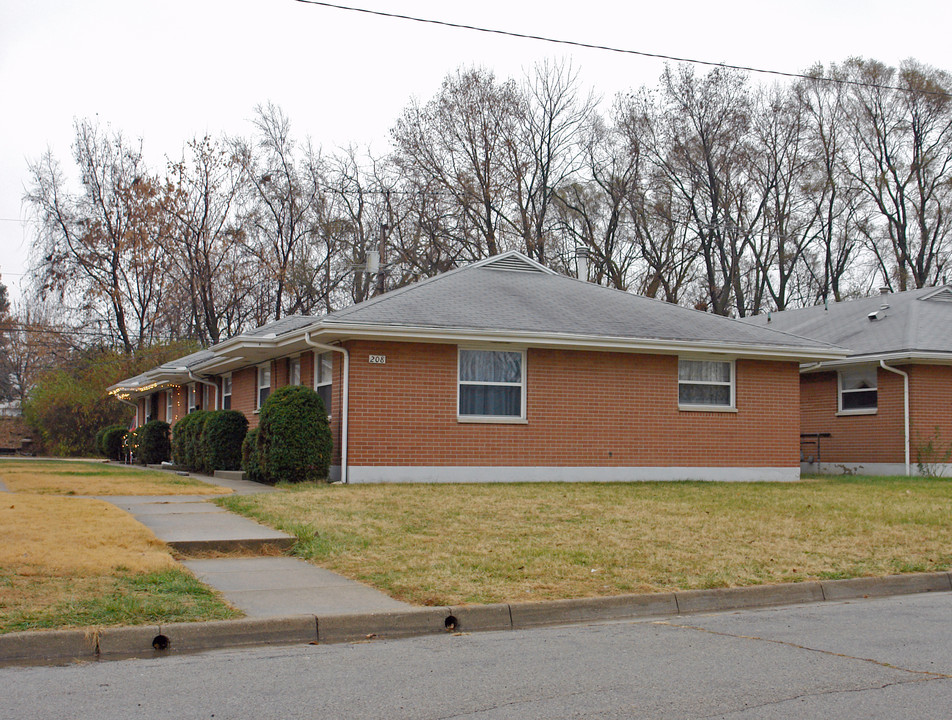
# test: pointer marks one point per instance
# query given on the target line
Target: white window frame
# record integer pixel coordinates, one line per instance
(226, 382)
(169, 405)
(502, 419)
(259, 371)
(732, 384)
(294, 362)
(320, 381)
(206, 396)
(191, 398)
(840, 391)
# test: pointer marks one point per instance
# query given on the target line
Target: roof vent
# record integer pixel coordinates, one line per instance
(942, 295)
(512, 263)
(877, 315)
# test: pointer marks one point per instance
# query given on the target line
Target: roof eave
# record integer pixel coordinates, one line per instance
(909, 356)
(569, 340)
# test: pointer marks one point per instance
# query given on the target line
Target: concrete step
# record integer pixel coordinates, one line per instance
(230, 474)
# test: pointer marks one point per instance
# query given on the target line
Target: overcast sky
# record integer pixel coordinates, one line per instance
(172, 69)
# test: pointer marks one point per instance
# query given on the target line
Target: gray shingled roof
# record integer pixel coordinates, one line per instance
(280, 327)
(913, 322)
(481, 297)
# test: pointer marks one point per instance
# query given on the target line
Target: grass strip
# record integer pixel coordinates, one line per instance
(71, 477)
(72, 562)
(498, 542)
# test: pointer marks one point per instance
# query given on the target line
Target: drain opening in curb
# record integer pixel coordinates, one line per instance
(450, 623)
(160, 642)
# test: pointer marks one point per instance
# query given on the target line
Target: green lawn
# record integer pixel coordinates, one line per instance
(442, 544)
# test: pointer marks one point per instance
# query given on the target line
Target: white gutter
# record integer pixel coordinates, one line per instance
(345, 396)
(130, 404)
(197, 379)
(905, 383)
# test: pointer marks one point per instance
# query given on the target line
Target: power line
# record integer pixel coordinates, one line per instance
(608, 48)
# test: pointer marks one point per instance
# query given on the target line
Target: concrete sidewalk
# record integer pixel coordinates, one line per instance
(281, 586)
(261, 587)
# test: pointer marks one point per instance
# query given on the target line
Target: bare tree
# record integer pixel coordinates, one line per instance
(201, 197)
(901, 155)
(102, 248)
(281, 198)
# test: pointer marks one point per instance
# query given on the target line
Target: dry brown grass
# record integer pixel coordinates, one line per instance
(64, 477)
(69, 561)
(68, 537)
(441, 544)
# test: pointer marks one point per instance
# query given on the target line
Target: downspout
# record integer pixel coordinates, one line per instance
(345, 396)
(197, 379)
(905, 385)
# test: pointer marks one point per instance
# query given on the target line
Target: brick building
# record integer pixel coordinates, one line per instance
(506, 370)
(881, 408)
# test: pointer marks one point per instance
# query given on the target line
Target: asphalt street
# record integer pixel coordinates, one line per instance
(886, 658)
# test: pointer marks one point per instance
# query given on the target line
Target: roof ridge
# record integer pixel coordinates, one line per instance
(742, 321)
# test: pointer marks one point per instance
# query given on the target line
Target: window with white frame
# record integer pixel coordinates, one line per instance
(705, 383)
(226, 392)
(192, 398)
(858, 390)
(264, 383)
(323, 378)
(294, 371)
(169, 405)
(491, 384)
(206, 397)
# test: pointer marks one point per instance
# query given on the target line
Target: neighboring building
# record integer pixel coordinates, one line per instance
(505, 370)
(879, 409)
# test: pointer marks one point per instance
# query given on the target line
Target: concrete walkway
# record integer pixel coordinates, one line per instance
(261, 587)
(276, 586)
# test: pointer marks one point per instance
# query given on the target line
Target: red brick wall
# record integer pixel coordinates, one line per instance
(244, 390)
(583, 408)
(877, 438)
(930, 405)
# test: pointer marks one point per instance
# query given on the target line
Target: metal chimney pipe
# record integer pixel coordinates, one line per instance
(582, 257)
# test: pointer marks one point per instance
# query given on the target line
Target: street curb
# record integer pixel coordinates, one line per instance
(39, 647)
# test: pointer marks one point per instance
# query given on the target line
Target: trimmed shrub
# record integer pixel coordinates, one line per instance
(180, 435)
(193, 440)
(250, 458)
(222, 440)
(153, 443)
(294, 439)
(101, 437)
(113, 441)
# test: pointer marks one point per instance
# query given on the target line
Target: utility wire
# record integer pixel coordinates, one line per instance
(608, 48)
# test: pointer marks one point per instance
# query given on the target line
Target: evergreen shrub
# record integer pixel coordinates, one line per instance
(221, 442)
(294, 439)
(250, 459)
(113, 441)
(153, 443)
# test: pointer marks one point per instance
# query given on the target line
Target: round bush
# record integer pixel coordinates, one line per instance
(153, 440)
(250, 459)
(180, 435)
(294, 440)
(112, 441)
(101, 436)
(193, 442)
(224, 433)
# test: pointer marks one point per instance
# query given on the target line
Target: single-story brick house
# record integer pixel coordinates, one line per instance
(506, 370)
(877, 409)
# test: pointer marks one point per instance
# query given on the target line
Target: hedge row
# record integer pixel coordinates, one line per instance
(293, 440)
(209, 440)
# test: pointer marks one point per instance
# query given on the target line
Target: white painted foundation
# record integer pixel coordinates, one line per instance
(450, 474)
(944, 469)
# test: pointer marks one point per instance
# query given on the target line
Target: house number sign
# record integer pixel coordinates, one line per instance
(378, 359)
